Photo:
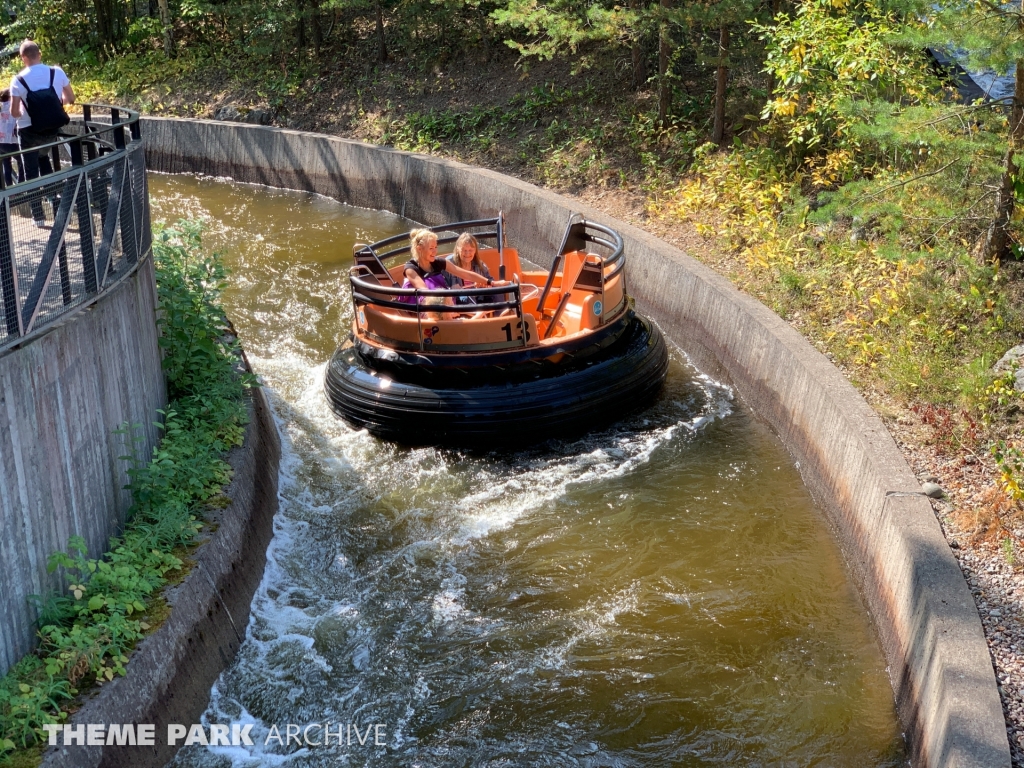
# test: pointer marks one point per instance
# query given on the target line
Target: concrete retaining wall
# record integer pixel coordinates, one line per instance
(928, 626)
(62, 396)
(171, 672)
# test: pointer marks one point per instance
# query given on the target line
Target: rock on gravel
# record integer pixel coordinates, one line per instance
(1013, 357)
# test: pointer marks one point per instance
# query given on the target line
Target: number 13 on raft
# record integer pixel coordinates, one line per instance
(507, 328)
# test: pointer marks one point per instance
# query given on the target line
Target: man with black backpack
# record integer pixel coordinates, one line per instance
(38, 96)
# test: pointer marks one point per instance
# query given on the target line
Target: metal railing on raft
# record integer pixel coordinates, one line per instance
(578, 234)
(70, 234)
(367, 290)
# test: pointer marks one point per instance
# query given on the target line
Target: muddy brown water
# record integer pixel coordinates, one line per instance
(660, 593)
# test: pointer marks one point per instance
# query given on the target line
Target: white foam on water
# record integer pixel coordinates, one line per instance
(447, 501)
(596, 622)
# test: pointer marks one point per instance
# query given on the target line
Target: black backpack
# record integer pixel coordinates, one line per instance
(44, 107)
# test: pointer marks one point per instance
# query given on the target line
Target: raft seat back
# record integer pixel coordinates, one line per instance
(489, 256)
(591, 277)
(364, 256)
(366, 275)
(571, 270)
(397, 274)
(575, 238)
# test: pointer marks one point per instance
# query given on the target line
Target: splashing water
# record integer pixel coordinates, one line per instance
(659, 593)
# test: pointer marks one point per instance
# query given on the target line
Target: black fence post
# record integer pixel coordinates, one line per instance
(129, 243)
(8, 272)
(65, 274)
(84, 211)
(75, 148)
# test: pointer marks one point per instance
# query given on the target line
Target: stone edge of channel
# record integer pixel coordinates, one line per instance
(927, 623)
(172, 671)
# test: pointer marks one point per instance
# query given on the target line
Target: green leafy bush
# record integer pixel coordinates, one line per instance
(86, 636)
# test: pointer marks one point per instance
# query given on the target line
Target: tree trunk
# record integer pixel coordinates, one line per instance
(776, 8)
(1017, 113)
(300, 26)
(637, 56)
(317, 28)
(104, 23)
(722, 79)
(997, 238)
(664, 64)
(165, 22)
(382, 49)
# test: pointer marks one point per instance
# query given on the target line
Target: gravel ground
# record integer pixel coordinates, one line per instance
(998, 592)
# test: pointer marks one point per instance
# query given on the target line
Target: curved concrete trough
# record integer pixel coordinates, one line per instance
(171, 672)
(929, 629)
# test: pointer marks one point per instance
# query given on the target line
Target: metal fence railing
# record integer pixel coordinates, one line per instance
(70, 234)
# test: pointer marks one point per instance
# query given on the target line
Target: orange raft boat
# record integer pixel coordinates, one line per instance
(553, 354)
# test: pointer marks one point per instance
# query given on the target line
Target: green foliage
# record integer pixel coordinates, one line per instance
(481, 127)
(826, 60)
(566, 136)
(1010, 460)
(989, 35)
(63, 28)
(86, 636)
(560, 27)
(924, 323)
(1003, 402)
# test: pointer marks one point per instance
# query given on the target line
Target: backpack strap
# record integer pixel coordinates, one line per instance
(24, 84)
(52, 73)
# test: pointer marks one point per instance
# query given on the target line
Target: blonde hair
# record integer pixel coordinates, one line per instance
(440, 301)
(418, 239)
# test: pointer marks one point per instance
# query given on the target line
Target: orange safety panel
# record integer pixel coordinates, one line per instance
(614, 293)
(403, 330)
(590, 316)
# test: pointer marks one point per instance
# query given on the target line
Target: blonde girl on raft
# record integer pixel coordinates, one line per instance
(426, 272)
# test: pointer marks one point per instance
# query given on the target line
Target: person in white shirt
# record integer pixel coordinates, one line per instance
(38, 96)
(9, 138)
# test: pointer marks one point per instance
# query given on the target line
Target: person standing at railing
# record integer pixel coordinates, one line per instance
(9, 138)
(38, 96)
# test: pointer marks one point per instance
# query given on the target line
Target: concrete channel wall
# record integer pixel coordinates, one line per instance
(63, 394)
(943, 682)
(171, 672)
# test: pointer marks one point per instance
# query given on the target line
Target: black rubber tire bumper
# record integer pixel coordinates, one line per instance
(622, 379)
